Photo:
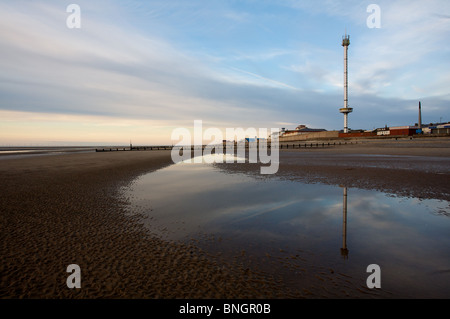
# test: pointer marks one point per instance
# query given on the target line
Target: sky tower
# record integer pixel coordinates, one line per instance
(346, 110)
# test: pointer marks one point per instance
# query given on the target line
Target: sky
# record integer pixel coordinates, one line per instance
(137, 70)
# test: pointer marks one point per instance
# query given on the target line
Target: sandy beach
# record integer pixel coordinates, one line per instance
(67, 209)
(62, 210)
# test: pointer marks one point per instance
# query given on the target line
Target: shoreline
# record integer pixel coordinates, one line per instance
(65, 209)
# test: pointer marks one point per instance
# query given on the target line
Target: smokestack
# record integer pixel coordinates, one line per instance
(420, 116)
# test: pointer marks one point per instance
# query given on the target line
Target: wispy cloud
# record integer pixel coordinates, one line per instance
(227, 63)
(266, 80)
(99, 69)
(263, 56)
(411, 35)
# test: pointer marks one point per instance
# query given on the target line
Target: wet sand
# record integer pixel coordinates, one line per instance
(414, 168)
(67, 209)
(62, 210)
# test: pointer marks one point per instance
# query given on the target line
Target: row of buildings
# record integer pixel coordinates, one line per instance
(302, 132)
(435, 129)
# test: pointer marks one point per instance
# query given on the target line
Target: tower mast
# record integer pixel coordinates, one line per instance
(345, 110)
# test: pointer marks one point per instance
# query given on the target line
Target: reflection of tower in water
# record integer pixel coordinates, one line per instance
(344, 250)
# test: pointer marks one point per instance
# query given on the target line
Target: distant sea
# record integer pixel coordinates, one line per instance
(19, 152)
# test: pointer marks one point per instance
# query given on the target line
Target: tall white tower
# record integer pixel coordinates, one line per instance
(346, 110)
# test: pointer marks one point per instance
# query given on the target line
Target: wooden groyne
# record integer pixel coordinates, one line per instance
(247, 146)
(137, 148)
(311, 145)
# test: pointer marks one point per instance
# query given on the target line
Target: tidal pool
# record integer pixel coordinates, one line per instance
(316, 238)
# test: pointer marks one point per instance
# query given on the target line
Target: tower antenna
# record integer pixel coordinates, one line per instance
(345, 110)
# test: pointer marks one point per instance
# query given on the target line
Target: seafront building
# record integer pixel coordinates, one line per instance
(303, 133)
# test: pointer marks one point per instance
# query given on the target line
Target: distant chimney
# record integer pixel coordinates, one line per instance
(420, 116)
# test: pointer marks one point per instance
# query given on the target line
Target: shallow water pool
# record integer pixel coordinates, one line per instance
(316, 238)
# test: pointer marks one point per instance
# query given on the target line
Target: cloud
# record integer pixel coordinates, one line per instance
(386, 61)
(99, 69)
(264, 56)
(267, 80)
(176, 62)
(102, 69)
